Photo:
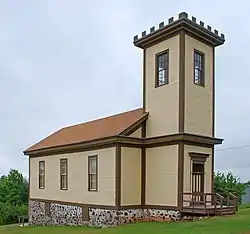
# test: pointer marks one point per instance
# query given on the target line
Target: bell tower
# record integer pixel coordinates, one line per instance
(178, 76)
(178, 93)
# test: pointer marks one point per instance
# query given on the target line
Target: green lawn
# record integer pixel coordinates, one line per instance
(240, 223)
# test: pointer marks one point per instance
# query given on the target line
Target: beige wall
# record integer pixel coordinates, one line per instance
(163, 102)
(78, 178)
(187, 187)
(130, 176)
(198, 105)
(136, 133)
(162, 175)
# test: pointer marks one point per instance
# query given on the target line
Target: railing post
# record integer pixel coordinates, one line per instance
(192, 203)
(205, 200)
(236, 204)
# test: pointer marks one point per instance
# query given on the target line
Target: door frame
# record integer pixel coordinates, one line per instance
(198, 158)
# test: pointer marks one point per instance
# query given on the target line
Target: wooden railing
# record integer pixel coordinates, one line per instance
(234, 201)
(209, 202)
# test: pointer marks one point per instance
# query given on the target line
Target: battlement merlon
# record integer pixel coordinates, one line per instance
(190, 26)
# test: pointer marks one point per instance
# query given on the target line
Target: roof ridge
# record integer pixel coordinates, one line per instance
(102, 118)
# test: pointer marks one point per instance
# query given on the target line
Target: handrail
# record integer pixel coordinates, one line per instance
(217, 194)
(231, 194)
(218, 201)
(235, 201)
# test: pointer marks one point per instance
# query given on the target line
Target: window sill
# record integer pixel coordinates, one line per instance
(92, 190)
(158, 86)
(201, 85)
(64, 189)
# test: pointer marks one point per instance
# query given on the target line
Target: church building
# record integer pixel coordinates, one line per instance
(151, 163)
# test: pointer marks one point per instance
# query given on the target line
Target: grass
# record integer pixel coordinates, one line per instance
(244, 206)
(239, 223)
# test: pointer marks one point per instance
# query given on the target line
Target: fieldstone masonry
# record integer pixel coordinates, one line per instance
(73, 215)
(58, 215)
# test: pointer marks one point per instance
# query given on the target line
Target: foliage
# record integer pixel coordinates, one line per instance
(13, 197)
(228, 183)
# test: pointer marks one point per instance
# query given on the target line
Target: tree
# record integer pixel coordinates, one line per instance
(13, 197)
(228, 183)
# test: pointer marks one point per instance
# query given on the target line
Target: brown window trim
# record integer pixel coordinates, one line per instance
(156, 68)
(89, 177)
(40, 175)
(67, 183)
(198, 157)
(202, 80)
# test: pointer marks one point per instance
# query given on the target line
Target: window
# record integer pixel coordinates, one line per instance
(41, 175)
(199, 75)
(64, 174)
(92, 168)
(162, 67)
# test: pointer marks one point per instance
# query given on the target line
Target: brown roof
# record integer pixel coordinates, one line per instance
(105, 127)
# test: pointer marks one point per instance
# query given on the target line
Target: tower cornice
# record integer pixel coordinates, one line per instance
(190, 26)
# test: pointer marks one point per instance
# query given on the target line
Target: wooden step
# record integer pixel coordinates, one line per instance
(225, 211)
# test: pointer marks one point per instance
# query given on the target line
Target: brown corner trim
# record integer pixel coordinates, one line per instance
(143, 167)
(118, 176)
(212, 181)
(132, 128)
(144, 82)
(29, 180)
(180, 174)
(213, 118)
(182, 82)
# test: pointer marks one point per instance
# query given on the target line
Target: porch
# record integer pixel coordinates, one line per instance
(209, 204)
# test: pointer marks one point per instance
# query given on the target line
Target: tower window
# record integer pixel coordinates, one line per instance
(199, 74)
(162, 68)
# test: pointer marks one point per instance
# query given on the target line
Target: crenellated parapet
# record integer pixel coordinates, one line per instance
(183, 22)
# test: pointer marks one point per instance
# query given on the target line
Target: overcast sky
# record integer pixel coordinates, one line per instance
(66, 62)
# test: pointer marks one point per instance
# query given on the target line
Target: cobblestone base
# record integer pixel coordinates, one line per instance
(73, 215)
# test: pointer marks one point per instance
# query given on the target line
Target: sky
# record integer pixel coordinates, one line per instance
(66, 62)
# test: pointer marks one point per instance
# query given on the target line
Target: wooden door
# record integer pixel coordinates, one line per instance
(198, 181)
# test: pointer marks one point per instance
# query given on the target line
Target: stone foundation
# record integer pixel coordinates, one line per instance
(56, 214)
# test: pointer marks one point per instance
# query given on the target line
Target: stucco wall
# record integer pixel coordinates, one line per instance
(162, 175)
(130, 176)
(163, 102)
(198, 99)
(77, 177)
(136, 133)
(187, 186)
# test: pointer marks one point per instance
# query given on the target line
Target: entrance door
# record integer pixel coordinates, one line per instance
(198, 181)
